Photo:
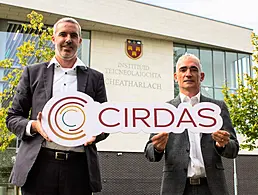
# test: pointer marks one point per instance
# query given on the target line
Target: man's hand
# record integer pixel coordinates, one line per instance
(36, 127)
(221, 137)
(89, 142)
(159, 141)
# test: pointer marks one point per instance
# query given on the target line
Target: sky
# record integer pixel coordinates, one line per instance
(238, 12)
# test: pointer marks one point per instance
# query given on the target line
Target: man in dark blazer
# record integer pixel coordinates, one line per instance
(42, 166)
(193, 164)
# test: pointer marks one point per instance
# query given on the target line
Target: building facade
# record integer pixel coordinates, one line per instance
(136, 46)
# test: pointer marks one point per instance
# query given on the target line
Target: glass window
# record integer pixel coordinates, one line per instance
(231, 69)
(84, 50)
(207, 91)
(3, 53)
(179, 50)
(253, 73)
(206, 61)
(218, 94)
(232, 91)
(176, 89)
(244, 65)
(2, 85)
(218, 68)
(193, 50)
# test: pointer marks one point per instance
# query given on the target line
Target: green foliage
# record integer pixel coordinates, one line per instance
(38, 49)
(243, 104)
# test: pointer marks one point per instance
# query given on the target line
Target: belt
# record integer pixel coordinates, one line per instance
(50, 154)
(197, 181)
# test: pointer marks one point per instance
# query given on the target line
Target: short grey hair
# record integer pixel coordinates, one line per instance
(67, 20)
(187, 56)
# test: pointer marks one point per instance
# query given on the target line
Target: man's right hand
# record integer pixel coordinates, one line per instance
(159, 141)
(36, 127)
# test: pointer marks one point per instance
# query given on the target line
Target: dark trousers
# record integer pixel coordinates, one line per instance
(200, 189)
(58, 174)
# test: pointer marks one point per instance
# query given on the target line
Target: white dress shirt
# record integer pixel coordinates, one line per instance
(65, 79)
(196, 165)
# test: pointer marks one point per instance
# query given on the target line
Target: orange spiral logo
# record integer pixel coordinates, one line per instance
(66, 118)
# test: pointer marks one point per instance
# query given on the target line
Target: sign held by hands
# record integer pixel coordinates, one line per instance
(72, 119)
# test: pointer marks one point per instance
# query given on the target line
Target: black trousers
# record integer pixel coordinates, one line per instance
(58, 174)
(201, 189)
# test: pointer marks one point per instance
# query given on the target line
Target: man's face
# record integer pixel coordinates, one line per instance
(189, 76)
(66, 40)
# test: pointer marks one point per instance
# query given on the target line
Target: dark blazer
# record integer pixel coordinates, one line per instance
(33, 92)
(177, 156)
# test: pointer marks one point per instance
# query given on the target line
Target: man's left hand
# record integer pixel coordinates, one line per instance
(90, 141)
(221, 137)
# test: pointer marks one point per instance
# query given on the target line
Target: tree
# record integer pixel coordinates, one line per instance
(243, 104)
(39, 50)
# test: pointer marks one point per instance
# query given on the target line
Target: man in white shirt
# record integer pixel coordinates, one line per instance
(193, 164)
(42, 166)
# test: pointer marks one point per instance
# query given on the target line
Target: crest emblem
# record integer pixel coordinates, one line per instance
(133, 49)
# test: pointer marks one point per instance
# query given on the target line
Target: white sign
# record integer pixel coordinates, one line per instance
(72, 119)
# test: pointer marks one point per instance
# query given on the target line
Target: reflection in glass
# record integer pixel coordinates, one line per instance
(218, 68)
(206, 61)
(232, 91)
(207, 91)
(253, 73)
(244, 65)
(218, 94)
(84, 50)
(231, 69)
(179, 50)
(193, 50)
(176, 89)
